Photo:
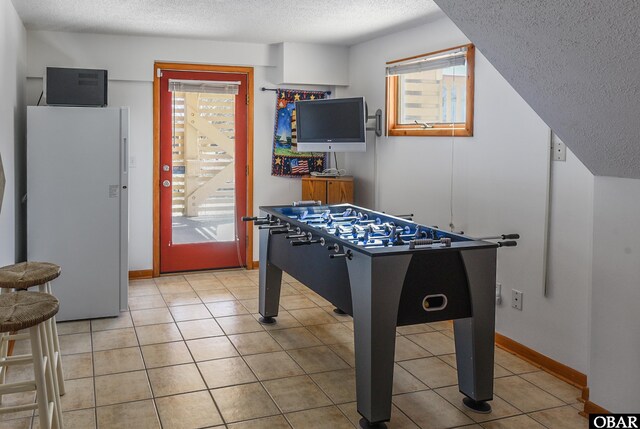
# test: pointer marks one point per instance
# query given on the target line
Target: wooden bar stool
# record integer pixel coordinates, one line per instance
(22, 276)
(31, 310)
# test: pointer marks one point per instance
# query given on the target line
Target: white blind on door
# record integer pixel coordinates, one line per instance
(204, 86)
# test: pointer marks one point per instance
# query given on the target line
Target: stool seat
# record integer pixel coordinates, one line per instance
(23, 310)
(21, 277)
(28, 274)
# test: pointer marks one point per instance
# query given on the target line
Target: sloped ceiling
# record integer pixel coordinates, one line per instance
(577, 64)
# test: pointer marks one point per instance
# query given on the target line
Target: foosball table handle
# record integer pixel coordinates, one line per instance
(405, 216)
(510, 236)
(308, 242)
(509, 243)
(333, 247)
(299, 235)
(500, 236)
(348, 254)
(257, 220)
(280, 231)
(306, 203)
(272, 226)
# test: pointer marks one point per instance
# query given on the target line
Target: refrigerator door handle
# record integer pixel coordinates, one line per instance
(125, 152)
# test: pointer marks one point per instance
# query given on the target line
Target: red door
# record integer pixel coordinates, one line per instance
(203, 159)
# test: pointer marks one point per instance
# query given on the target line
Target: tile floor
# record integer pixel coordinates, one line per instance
(190, 354)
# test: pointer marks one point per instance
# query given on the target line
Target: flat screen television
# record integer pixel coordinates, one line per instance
(331, 125)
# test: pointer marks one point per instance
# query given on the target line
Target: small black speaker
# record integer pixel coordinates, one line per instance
(76, 87)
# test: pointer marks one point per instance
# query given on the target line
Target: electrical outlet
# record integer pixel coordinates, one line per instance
(516, 299)
(498, 293)
(558, 149)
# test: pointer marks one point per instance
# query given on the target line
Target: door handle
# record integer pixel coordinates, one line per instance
(166, 183)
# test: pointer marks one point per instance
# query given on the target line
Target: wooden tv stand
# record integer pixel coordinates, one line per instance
(328, 190)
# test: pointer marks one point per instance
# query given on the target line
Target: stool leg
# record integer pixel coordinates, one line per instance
(57, 356)
(4, 351)
(41, 377)
(52, 382)
(52, 356)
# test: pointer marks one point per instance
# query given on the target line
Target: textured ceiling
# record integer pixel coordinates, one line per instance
(576, 62)
(261, 21)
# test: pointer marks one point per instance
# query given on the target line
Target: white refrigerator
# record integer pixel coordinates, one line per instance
(77, 205)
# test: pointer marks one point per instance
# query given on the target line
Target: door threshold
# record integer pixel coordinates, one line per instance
(212, 271)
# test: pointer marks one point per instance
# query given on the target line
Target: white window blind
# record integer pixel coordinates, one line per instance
(431, 62)
(204, 86)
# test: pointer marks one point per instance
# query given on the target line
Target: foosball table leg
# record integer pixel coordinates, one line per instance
(270, 282)
(364, 424)
(375, 314)
(474, 336)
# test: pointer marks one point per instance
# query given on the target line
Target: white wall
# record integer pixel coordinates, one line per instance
(614, 376)
(12, 119)
(570, 263)
(130, 64)
(311, 63)
(131, 58)
(499, 186)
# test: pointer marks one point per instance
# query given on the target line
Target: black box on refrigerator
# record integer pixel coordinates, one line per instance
(76, 87)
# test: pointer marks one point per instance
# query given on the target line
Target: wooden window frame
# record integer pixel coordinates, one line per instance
(457, 129)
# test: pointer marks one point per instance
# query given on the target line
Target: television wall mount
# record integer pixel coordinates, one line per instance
(378, 127)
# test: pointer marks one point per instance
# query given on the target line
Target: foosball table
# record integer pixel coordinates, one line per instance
(386, 271)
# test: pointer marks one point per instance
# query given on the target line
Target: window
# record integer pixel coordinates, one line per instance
(431, 94)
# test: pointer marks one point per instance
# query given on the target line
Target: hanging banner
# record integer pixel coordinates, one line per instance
(285, 160)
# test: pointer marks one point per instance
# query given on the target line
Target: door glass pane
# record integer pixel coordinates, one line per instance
(203, 206)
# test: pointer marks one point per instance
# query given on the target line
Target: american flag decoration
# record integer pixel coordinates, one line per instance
(286, 161)
(299, 166)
